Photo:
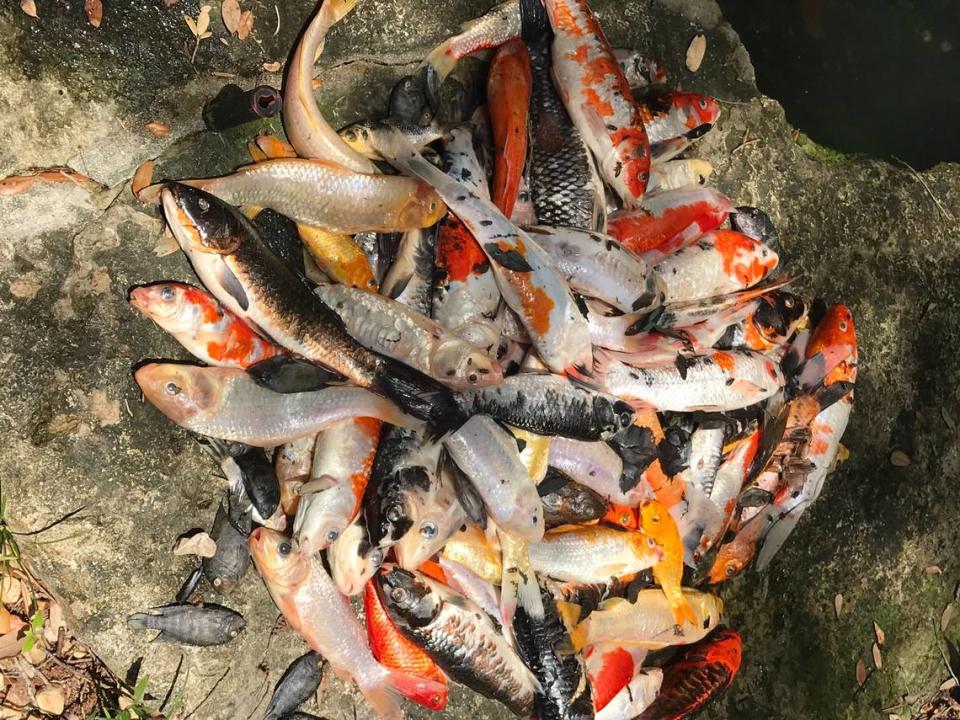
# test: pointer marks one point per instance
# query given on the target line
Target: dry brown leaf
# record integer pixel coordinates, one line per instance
(696, 51)
(199, 544)
(51, 700)
(948, 612)
(246, 25)
(94, 10)
(29, 7)
(933, 570)
(142, 177)
(158, 129)
(192, 24)
(898, 458)
(203, 21)
(5, 618)
(10, 644)
(167, 245)
(9, 590)
(51, 628)
(838, 603)
(861, 673)
(877, 657)
(948, 684)
(230, 14)
(880, 634)
(272, 67)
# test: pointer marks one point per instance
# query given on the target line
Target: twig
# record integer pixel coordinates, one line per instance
(744, 144)
(263, 696)
(207, 696)
(173, 684)
(277, 31)
(946, 213)
(51, 525)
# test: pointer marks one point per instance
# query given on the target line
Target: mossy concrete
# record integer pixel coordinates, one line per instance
(865, 232)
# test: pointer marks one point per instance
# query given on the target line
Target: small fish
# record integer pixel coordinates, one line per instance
(460, 638)
(598, 98)
(321, 193)
(669, 220)
(550, 405)
(410, 279)
(657, 522)
(353, 558)
(636, 696)
(488, 455)
(508, 101)
(298, 684)
(229, 531)
(306, 128)
(201, 625)
(225, 403)
(647, 622)
(249, 472)
(293, 462)
(471, 548)
(314, 607)
(338, 256)
(565, 186)
(610, 668)
(568, 503)
(678, 114)
(396, 331)
(719, 263)
(593, 553)
(394, 650)
(597, 466)
(500, 24)
(704, 671)
(674, 174)
(210, 332)
(358, 135)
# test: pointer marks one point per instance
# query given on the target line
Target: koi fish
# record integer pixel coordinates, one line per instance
(674, 174)
(593, 553)
(678, 114)
(508, 101)
(610, 668)
(657, 522)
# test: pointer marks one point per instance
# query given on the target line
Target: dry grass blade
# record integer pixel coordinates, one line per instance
(695, 52)
(94, 10)
(948, 684)
(948, 612)
(877, 657)
(879, 634)
(838, 604)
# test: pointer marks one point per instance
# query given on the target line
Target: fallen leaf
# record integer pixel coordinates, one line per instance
(880, 634)
(948, 418)
(246, 25)
(9, 590)
(933, 570)
(167, 245)
(29, 7)
(50, 700)
(142, 177)
(10, 645)
(696, 51)
(94, 10)
(192, 24)
(948, 612)
(36, 655)
(203, 21)
(861, 673)
(51, 628)
(877, 657)
(898, 458)
(948, 684)
(158, 129)
(893, 716)
(199, 544)
(838, 603)
(4, 620)
(230, 14)
(272, 67)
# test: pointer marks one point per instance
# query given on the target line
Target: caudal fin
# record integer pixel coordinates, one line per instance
(436, 66)
(429, 693)
(683, 613)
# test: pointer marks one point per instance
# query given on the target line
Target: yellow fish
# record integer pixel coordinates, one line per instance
(660, 525)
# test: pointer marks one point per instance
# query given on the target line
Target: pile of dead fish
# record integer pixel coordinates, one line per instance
(523, 391)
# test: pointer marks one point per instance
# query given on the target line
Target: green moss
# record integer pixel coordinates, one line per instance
(820, 152)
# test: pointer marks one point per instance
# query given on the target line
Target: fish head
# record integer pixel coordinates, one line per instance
(732, 559)
(422, 209)
(408, 597)
(432, 524)
(231, 623)
(169, 304)
(778, 315)
(655, 520)
(701, 170)
(725, 647)
(201, 222)
(696, 109)
(360, 138)
(461, 365)
(278, 558)
(835, 335)
(353, 559)
(324, 515)
(612, 416)
(180, 392)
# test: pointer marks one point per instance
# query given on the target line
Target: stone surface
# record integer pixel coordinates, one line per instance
(77, 434)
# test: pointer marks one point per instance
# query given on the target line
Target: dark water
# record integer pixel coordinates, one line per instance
(871, 76)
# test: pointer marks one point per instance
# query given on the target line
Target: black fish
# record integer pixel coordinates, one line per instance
(230, 562)
(249, 469)
(568, 503)
(200, 625)
(298, 684)
(386, 512)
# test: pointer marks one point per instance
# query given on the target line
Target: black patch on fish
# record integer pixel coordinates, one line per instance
(189, 585)
(200, 625)
(830, 394)
(534, 23)
(683, 363)
(570, 503)
(552, 481)
(229, 282)
(754, 497)
(408, 100)
(645, 300)
(279, 233)
(699, 131)
(509, 259)
(673, 451)
(637, 448)
(467, 494)
(419, 395)
(285, 374)
(408, 600)
(755, 223)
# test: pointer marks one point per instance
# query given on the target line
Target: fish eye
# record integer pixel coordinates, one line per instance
(399, 595)
(625, 418)
(789, 302)
(333, 535)
(703, 103)
(171, 388)
(394, 513)
(610, 429)
(472, 377)
(730, 570)
(350, 135)
(203, 204)
(429, 530)
(284, 548)
(167, 293)
(376, 557)
(651, 542)
(843, 325)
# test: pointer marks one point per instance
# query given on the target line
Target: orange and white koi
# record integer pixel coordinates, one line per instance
(657, 522)
(529, 282)
(641, 692)
(720, 262)
(598, 98)
(678, 114)
(641, 71)
(210, 332)
(610, 668)
(674, 174)
(508, 101)
(669, 221)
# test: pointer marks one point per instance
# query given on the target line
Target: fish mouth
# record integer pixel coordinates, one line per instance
(138, 296)
(183, 228)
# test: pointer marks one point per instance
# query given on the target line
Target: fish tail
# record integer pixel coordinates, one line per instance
(777, 535)
(419, 395)
(426, 692)
(436, 66)
(338, 9)
(140, 621)
(384, 698)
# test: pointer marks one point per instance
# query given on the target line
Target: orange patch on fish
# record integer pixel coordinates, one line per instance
(616, 671)
(644, 232)
(725, 361)
(565, 20)
(459, 255)
(601, 106)
(537, 305)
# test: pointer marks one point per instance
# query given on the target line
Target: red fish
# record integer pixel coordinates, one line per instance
(705, 670)
(508, 99)
(622, 515)
(610, 667)
(392, 649)
(669, 221)
(679, 114)
(598, 98)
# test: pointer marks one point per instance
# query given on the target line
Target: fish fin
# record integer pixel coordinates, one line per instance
(436, 66)
(509, 259)
(467, 495)
(285, 374)
(315, 485)
(419, 395)
(569, 612)
(251, 211)
(528, 597)
(683, 612)
(256, 154)
(339, 8)
(777, 535)
(422, 691)
(139, 621)
(229, 282)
